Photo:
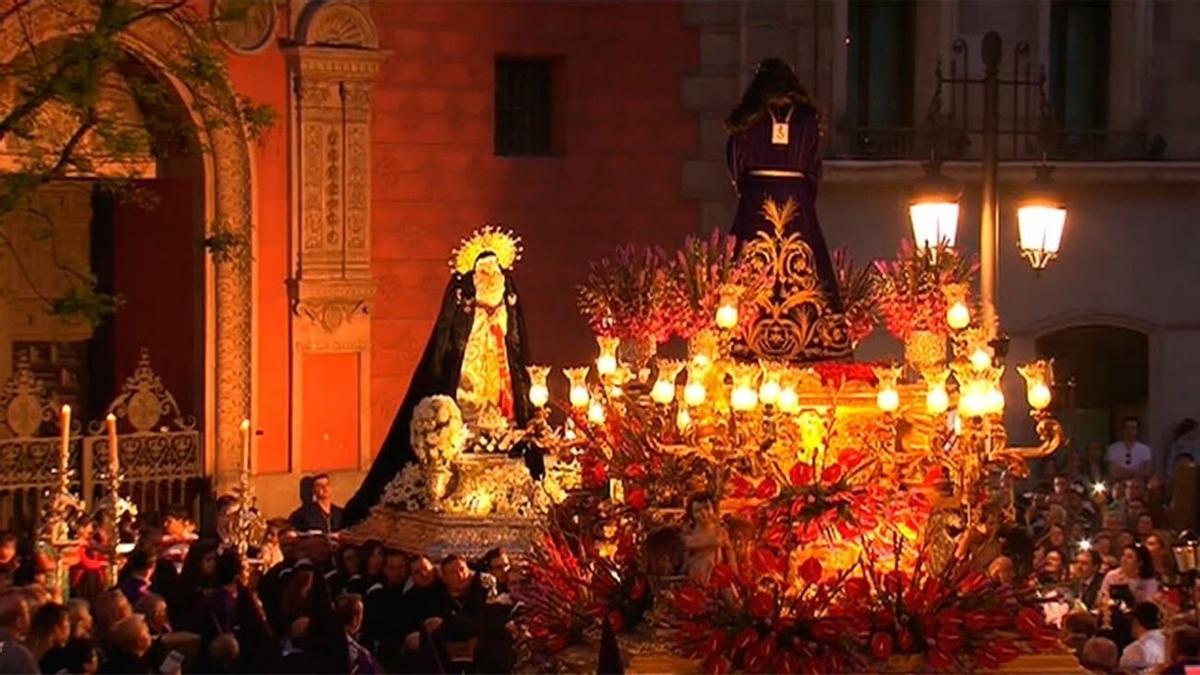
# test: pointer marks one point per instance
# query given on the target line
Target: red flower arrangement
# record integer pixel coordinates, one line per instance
(569, 591)
(835, 374)
(699, 271)
(910, 287)
(858, 289)
(957, 617)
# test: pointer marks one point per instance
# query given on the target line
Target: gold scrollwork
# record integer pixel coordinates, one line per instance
(794, 319)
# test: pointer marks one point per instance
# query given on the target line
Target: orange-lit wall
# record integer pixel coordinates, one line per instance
(436, 178)
(263, 77)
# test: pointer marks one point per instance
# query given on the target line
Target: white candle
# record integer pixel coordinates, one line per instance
(246, 445)
(114, 456)
(64, 453)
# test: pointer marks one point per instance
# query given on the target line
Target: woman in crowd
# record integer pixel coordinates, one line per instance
(50, 628)
(1132, 581)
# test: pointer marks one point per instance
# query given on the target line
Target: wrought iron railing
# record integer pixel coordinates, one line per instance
(904, 143)
(161, 450)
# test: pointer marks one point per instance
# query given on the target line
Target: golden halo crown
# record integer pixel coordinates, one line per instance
(493, 239)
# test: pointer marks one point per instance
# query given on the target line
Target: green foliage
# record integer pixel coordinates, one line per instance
(62, 117)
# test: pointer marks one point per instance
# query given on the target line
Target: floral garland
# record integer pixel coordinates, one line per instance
(437, 431)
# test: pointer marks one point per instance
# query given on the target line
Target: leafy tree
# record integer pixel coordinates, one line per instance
(60, 111)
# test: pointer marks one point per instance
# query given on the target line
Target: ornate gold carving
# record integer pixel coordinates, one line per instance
(793, 319)
(245, 27)
(505, 245)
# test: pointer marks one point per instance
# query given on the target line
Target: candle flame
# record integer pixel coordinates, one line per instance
(246, 425)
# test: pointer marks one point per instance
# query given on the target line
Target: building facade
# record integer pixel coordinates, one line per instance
(405, 125)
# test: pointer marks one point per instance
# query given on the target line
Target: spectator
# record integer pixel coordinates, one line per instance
(154, 609)
(306, 497)
(1159, 548)
(137, 573)
(347, 571)
(349, 609)
(15, 657)
(1129, 457)
(1087, 577)
(371, 557)
(320, 514)
(8, 558)
(129, 642)
(50, 628)
(81, 619)
(1148, 649)
(111, 608)
(1051, 572)
(197, 576)
(1133, 580)
(1144, 527)
(1097, 470)
(77, 656)
(1183, 650)
(1078, 627)
(223, 654)
(419, 599)
(1099, 656)
(385, 611)
(496, 563)
(271, 552)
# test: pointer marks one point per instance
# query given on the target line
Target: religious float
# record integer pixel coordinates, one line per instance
(744, 505)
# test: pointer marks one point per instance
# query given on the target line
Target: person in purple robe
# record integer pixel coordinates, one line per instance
(774, 151)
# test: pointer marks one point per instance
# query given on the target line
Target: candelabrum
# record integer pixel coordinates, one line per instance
(242, 526)
(64, 510)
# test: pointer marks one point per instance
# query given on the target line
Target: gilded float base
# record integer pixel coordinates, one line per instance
(440, 534)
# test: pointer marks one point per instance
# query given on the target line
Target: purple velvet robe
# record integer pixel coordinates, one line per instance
(753, 150)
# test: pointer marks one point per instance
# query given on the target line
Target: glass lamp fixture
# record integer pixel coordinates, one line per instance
(539, 391)
(980, 359)
(933, 209)
(958, 314)
(683, 420)
(595, 413)
(1039, 377)
(606, 362)
(744, 396)
(770, 389)
(663, 391)
(1041, 215)
(727, 309)
(972, 401)
(887, 398)
(937, 400)
(578, 394)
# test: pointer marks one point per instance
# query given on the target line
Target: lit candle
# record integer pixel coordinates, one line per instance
(64, 453)
(114, 455)
(727, 317)
(981, 359)
(958, 316)
(683, 420)
(595, 413)
(246, 446)
(663, 391)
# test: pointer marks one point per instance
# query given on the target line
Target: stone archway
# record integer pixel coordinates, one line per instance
(228, 189)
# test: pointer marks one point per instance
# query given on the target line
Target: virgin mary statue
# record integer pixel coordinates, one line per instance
(477, 354)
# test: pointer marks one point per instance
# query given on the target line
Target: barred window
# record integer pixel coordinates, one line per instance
(523, 106)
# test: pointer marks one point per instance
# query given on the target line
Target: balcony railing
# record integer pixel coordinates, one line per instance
(905, 143)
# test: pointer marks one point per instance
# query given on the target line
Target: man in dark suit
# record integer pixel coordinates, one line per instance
(1086, 575)
(319, 514)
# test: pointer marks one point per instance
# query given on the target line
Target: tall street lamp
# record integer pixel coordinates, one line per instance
(1041, 211)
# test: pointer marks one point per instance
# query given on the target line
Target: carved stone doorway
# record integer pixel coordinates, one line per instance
(224, 201)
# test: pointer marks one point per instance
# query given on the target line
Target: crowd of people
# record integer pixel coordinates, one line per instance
(1097, 537)
(306, 603)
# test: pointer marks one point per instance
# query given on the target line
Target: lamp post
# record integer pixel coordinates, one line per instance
(1041, 212)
